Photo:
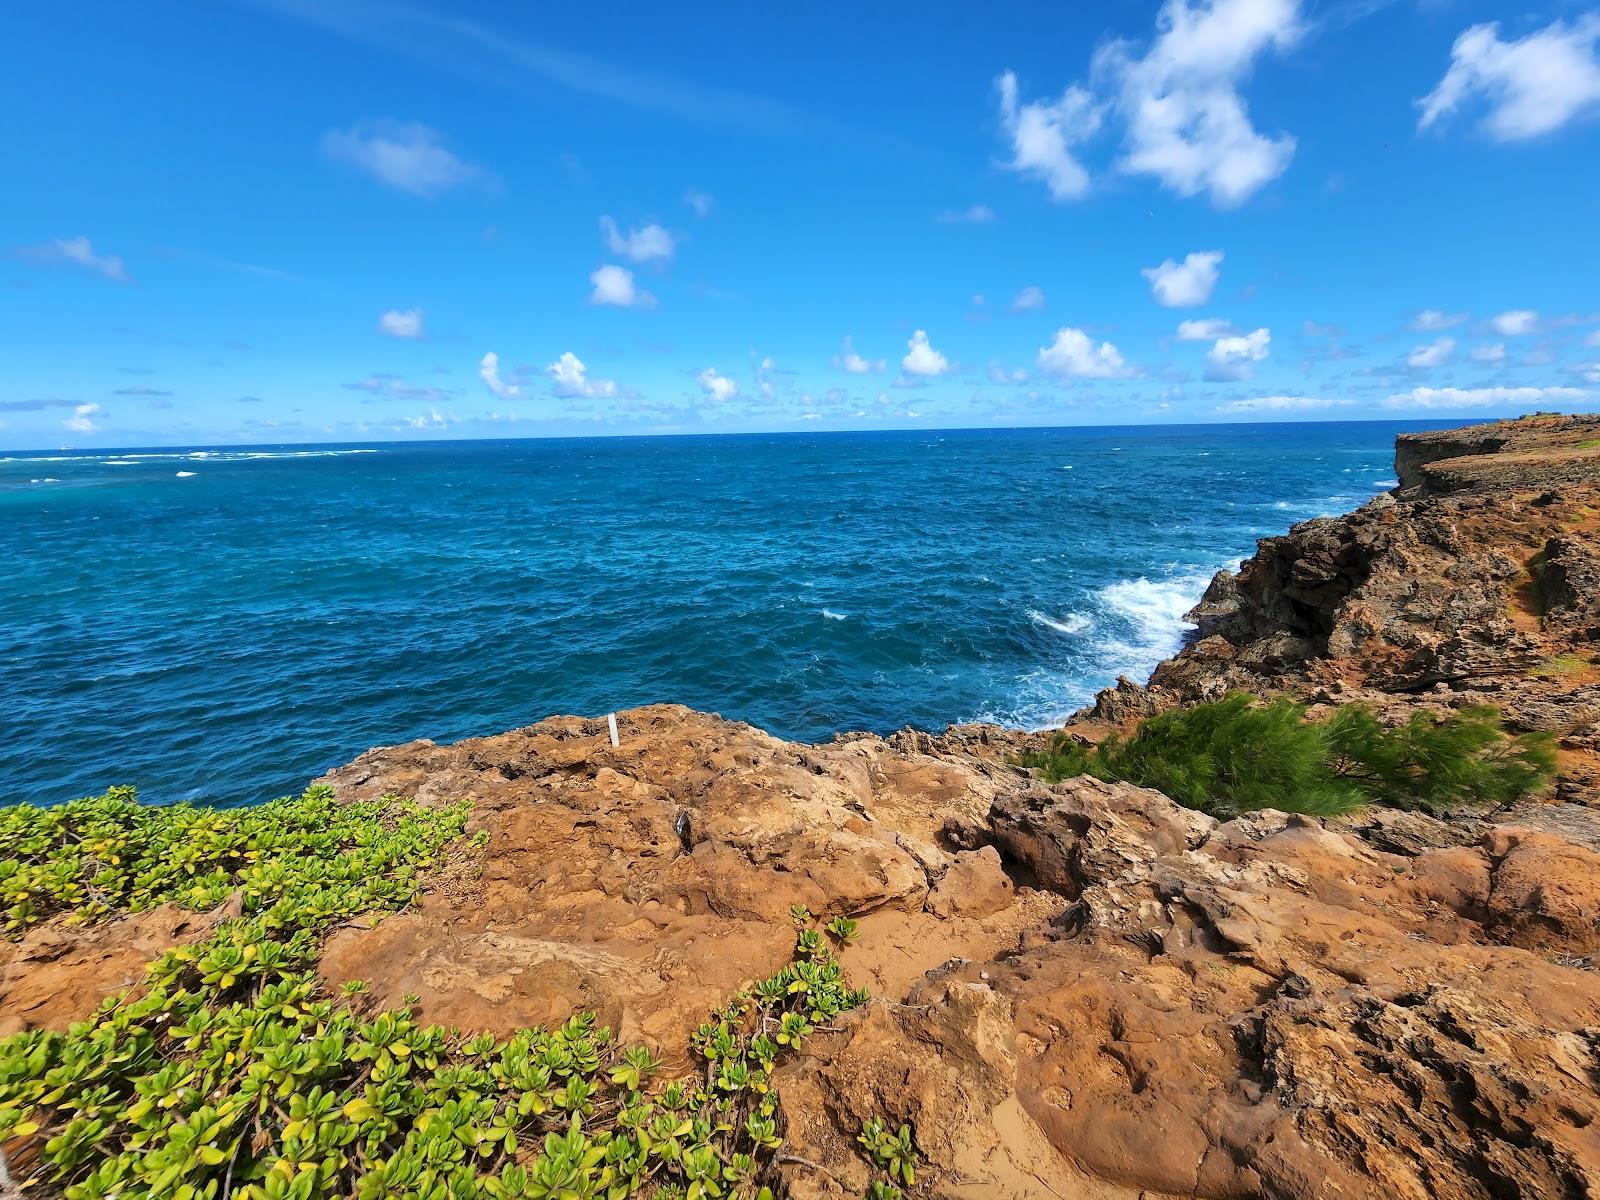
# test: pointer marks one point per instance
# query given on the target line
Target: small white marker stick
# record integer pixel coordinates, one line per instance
(611, 724)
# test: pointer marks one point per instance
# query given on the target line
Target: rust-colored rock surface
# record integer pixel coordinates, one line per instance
(1081, 991)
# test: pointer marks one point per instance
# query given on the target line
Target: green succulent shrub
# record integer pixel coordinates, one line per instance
(233, 1070)
(893, 1150)
(1239, 753)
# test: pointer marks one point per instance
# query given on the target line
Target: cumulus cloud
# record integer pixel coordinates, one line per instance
(1184, 118)
(1489, 352)
(570, 378)
(1206, 329)
(1431, 320)
(1516, 322)
(489, 372)
(432, 419)
(1426, 397)
(1531, 86)
(717, 387)
(921, 359)
(77, 252)
(1435, 354)
(1187, 284)
(1258, 404)
(647, 243)
(614, 286)
(1187, 123)
(847, 359)
(1029, 299)
(1044, 134)
(81, 420)
(407, 156)
(1234, 357)
(1074, 355)
(399, 323)
(978, 214)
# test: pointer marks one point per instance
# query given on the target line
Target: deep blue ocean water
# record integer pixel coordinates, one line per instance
(225, 624)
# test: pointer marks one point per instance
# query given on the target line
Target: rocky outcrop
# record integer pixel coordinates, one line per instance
(1475, 582)
(1081, 990)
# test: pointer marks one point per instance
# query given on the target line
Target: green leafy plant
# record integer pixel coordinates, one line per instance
(841, 930)
(893, 1150)
(1238, 754)
(234, 1070)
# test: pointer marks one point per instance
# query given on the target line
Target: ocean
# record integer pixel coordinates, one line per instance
(223, 624)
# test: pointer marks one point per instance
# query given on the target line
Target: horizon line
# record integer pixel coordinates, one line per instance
(1442, 422)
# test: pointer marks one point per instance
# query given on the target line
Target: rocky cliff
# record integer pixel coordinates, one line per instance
(1477, 581)
(1082, 990)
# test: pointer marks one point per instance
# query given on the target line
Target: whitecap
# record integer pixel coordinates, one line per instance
(1386, 483)
(833, 616)
(185, 474)
(118, 462)
(1072, 623)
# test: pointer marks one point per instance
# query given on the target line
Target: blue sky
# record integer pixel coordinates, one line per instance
(312, 220)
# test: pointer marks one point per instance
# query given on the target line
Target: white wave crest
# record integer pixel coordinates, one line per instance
(1072, 623)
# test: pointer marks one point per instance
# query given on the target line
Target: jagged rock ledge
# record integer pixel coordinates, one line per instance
(1082, 990)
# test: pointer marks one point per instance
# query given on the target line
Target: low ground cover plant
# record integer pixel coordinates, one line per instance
(1239, 753)
(234, 1070)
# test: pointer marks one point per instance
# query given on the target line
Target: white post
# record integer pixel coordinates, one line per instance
(611, 723)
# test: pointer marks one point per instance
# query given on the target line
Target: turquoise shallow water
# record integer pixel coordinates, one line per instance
(224, 624)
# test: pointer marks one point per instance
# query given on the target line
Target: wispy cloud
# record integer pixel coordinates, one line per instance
(77, 252)
(407, 156)
(468, 48)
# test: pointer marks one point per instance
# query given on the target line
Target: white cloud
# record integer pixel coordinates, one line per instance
(401, 324)
(1187, 123)
(1435, 354)
(847, 359)
(1043, 136)
(1234, 357)
(79, 252)
(978, 214)
(1593, 340)
(922, 359)
(1184, 119)
(1255, 404)
(1029, 299)
(1207, 329)
(647, 243)
(1072, 354)
(1431, 320)
(999, 373)
(1186, 284)
(614, 285)
(701, 202)
(1490, 352)
(489, 372)
(432, 419)
(1426, 397)
(1516, 323)
(571, 378)
(1532, 86)
(80, 420)
(410, 157)
(717, 387)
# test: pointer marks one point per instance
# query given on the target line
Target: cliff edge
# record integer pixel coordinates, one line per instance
(1081, 990)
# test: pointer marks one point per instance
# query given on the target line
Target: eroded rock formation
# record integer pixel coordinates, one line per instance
(1084, 990)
